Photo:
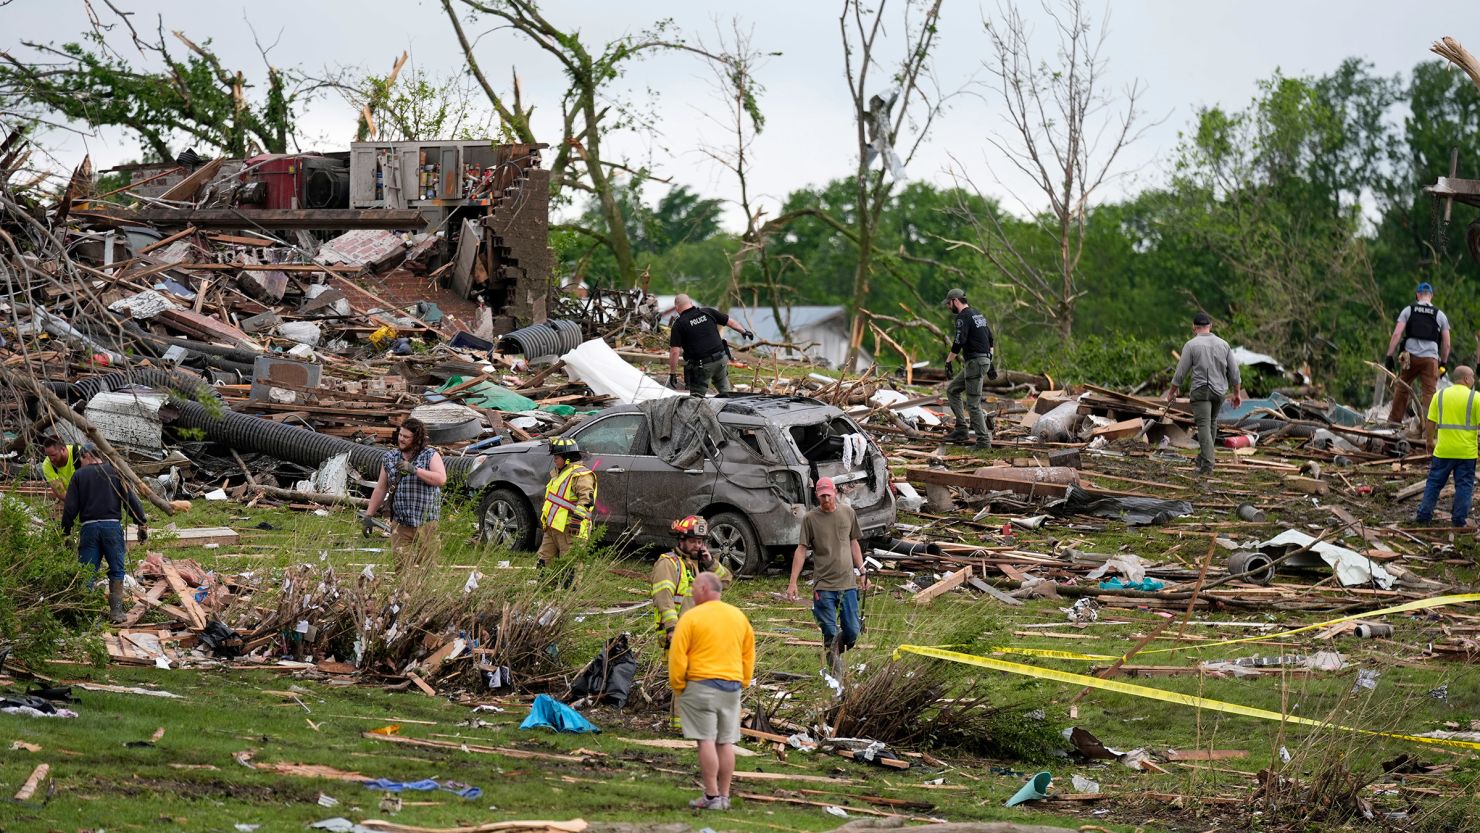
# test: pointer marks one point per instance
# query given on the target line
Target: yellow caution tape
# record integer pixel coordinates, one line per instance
(1421, 604)
(1049, 653)
(1157, 694)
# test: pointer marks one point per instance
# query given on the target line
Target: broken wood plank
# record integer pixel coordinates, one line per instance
(421, 684)
(28, 789)
(328, 219)
(482, 750)
(950, 582)
(196, 616)
(987, 483)
(1206, 754)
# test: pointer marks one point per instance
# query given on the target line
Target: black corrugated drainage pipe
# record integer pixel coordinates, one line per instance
(552, 338)
(245, 432)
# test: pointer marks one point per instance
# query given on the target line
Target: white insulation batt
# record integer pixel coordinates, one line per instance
(128, 419)
(607, 374)
(1351, 567)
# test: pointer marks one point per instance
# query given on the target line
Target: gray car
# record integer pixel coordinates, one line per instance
(750, 471)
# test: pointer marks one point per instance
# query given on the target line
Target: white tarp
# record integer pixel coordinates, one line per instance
(1248, 358)
(1351, 568)
(607, 374)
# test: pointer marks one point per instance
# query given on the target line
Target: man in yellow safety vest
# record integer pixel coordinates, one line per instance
(1453, 425)
(674, 571)
(570, 500)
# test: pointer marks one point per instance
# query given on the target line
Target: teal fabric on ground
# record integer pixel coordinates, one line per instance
(548, 713)
(491, 396)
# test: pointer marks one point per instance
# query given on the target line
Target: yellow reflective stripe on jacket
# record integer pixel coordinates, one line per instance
(679, 589)
(558, 508)
(1468, 424)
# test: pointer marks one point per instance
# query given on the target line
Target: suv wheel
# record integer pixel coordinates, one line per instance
(735, 544)
(505, 519)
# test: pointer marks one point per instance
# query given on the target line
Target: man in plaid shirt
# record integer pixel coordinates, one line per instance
(412, 478)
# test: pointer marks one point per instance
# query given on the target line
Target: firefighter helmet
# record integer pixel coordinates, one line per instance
(691, 527)
(565, 447)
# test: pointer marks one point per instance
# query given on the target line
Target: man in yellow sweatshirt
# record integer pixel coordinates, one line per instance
(711, 659)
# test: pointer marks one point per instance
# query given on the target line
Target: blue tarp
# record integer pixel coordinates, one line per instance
(427, 785)
(548, 713)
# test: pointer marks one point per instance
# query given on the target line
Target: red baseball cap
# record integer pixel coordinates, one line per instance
(825, 486)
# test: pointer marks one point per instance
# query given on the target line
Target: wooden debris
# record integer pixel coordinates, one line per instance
(28, 789)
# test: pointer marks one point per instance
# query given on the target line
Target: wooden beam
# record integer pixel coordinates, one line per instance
(948, 583)
(330, 219)
(985, 482)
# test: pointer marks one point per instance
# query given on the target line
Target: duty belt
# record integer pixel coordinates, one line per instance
(706, 359)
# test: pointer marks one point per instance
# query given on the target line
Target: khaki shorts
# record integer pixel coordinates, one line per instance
(709, 714)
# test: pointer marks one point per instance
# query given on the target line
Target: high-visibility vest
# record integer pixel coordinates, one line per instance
(560, 506)
(682, 591)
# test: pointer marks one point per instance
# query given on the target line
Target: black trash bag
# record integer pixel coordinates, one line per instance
(58, 694)
(1136, 511)
(608, 677)
(17, 701)
(221, 641)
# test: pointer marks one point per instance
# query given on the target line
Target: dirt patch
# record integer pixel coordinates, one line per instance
(212, 788)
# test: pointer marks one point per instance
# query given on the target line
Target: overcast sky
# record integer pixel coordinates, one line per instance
(1187, 53)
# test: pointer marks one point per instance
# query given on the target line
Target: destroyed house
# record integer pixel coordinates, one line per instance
(477, 210)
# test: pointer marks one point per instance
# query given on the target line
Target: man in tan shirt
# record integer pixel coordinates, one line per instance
(831, 532)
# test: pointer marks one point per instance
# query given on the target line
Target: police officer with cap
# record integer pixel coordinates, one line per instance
(1423, 334)
(696, 335)
(972, 341)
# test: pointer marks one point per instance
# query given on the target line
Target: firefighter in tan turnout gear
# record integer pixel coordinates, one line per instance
(673, 583)
(570, 501)
(674, 571)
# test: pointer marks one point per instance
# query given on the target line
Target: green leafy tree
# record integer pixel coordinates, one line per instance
(1276, 192)
(164, 96)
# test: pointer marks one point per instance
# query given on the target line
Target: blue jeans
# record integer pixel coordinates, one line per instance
(104, 541)
(826, 607)
(1464, 488)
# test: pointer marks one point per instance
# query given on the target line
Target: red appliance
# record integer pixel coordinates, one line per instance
(279, 180)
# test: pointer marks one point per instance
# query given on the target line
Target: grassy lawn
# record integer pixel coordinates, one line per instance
(190, 779)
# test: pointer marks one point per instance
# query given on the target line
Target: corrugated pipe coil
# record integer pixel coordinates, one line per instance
(244, 432)
(552, 338)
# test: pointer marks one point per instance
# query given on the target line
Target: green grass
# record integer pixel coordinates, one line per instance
(101, 782)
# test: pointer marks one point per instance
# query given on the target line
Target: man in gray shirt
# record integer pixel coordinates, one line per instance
(1208, 366)
(1423, 332)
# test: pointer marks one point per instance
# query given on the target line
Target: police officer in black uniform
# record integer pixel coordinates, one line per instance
(705, 359)
(972, 341)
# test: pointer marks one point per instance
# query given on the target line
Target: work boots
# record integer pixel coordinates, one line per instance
(115, 600)
(959, 434)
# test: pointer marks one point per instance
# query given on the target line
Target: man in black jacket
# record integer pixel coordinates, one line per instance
(972, 341)
(696, 335)
(97, 496)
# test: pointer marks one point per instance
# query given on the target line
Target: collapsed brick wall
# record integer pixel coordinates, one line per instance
(519, 234)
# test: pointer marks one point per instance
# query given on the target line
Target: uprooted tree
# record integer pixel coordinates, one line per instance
(115, 77)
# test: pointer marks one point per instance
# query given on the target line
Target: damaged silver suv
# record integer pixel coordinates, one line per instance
(747, 463)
